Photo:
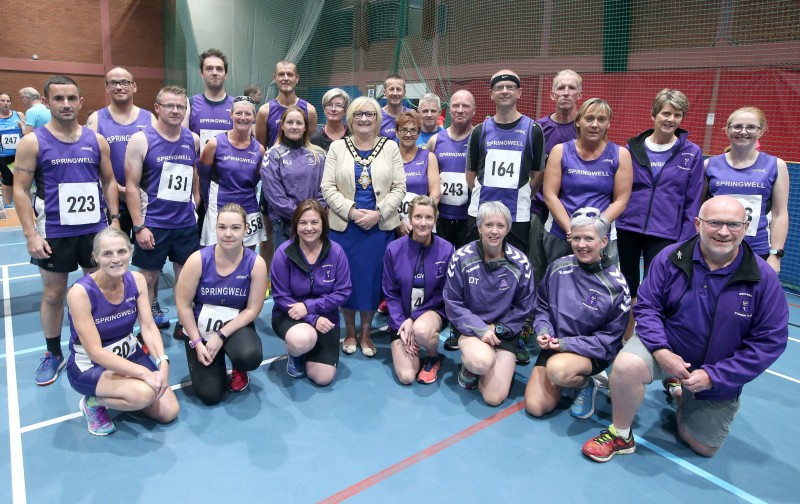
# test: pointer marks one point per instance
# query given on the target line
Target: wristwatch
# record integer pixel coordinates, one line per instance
(499, 330)
(137, 229)
(115, 216)
(221, 336)
(161, 359)
(778, 253)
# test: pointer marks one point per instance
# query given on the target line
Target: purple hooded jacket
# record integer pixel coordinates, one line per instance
(585, 307)
(401, 261)
(478, 294)
(749, 330)
(323, 287)
(665, 207)
(289, 176)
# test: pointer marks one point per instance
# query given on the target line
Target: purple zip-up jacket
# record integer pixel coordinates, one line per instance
(584, 306)
(402, 260)
(289, 176)
(665, 207)
(478, 294)
(749, 330)
(323, 287)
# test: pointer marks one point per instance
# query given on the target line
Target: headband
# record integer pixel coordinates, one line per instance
(504, 77)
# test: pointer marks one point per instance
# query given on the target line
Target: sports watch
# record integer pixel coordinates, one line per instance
(777, 252)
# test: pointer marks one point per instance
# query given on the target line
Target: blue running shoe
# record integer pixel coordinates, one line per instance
(8, 206)
(296, 366)
(159, 316)
(49, 367)
(583, 405)
(97, 419)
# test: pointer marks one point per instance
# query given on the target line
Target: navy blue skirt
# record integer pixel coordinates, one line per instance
(364, 251)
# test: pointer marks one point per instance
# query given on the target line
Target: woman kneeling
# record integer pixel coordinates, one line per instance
(310, 282)
(106, 363)
(219, 294)
(581, 312)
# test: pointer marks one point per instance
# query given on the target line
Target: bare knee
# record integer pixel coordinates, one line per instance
(629, 367)
(141, 395)
(493, 398)
(696, 446)
(322, 375)
(535, 407)
(405, 376)
(53, 294)
(480, 363)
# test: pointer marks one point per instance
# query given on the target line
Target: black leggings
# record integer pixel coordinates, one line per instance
(243, 348)
(631, 246)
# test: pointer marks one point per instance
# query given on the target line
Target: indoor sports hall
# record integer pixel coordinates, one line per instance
(366, 437)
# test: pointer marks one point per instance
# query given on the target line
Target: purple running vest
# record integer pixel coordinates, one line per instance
(166, 184)
(207, 119)
(68, 200)
(752, 186)
(118, 135)
(452, 157)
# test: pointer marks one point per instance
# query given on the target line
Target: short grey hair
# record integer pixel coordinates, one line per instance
(107, 234)
(431, 98)
(29, 92)
(491, 208)
(335, 93)
(590, 216)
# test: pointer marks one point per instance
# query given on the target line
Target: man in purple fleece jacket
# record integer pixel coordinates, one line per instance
(711, 317)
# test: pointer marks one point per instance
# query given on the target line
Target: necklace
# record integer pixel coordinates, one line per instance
(364, 180)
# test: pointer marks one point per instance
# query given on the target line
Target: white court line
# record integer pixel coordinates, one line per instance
(795, 340)
(783, 376)
(70, 416)
(23, 277)
(18, 494)
(15, 264)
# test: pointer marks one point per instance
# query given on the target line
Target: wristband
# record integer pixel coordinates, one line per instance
(221, 336)
(115, 216)
(161, 359)
(194, 343)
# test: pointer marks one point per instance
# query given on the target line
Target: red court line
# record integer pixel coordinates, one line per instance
(420, 456)
(795, 305)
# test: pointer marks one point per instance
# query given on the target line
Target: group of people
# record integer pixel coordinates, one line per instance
(495, 234)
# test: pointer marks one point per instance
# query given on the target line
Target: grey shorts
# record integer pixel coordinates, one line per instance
(709, 422)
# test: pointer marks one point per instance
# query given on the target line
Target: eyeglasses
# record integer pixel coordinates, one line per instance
(124, 84)
(588, 212)
(335, 106)
(244, 98)
(716, 225)
(503, 87)
(169, 107)
(368, 115)
(408, 131)
(750, 128)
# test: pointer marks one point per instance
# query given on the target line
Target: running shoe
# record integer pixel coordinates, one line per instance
(239, 380)
(522, 354)
(467, 379)
(671, 385)
(142, 344)
(97, 419)
(383, 307)
(8, 206)
(607, 444)
(179, 334)
(430, 370)
(583, 405)
(451, 343)
(49, 366)
(159, 316)
(296, 366)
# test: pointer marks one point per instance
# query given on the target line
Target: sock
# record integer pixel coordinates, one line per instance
(623, 433)
(91, 401)
(54, 346)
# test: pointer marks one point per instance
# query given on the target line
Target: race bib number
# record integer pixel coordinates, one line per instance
(78, 203)
(9, 140)
(752, 210)
(175, 183)
(405, 206)
(254, 224)
(454, 188)
(213, 318)
(123, 347)
(502, 168)
(417, 297)
(206, 135)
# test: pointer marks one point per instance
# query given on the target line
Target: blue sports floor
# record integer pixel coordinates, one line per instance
(365, 438)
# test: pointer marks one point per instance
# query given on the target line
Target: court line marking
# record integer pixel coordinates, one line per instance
(779, 375)
(501, 415)
(23, 277)
(10, 244)
(422, 455)
(731, 488)
(177, 386)
(18, 495)
(795, 340)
